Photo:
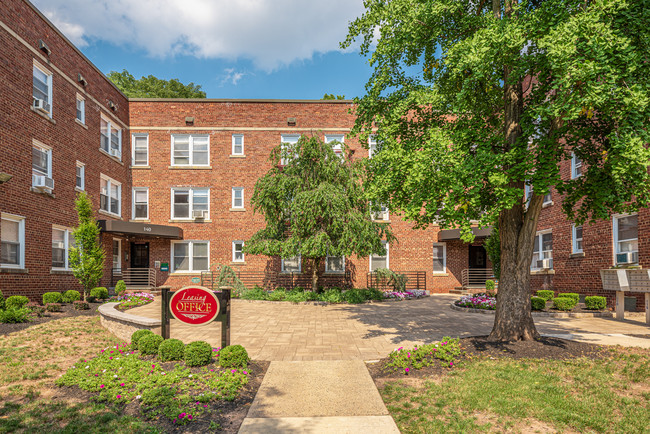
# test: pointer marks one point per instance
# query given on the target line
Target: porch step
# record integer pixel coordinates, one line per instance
(460, 291)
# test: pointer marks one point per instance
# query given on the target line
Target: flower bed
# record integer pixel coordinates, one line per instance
(477, 301)
(331, 295)
(129, 301)
(407, 295)
(444, 354)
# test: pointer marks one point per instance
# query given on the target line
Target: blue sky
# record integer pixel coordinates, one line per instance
(233, 48)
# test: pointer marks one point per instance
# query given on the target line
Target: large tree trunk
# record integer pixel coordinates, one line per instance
(314, 274)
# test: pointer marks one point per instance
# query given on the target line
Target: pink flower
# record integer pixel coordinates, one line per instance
(189, 417)
(122, 384)
(245, 373)
(119, 396)
(153, 366)
(101, 387)
(406, 371)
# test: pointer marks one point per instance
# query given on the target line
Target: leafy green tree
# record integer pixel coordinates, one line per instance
(332, 96)
(314, 205)
(152, 87)
(493, 249)
(86, 257)
(473, 99)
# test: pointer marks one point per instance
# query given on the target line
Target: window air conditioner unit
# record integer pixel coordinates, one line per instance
(627, 258)
(115, 152)
(545, 264)
(41, 182)
(199, 214)
(40, 104)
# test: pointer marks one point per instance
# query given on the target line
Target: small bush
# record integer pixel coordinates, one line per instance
(490, 285)
(16, 302)
(139, 334)
(277, 295)
(374, 294)
(91, 299)
(256, 293)
(171, 349)
(2, 301)
(538, 303)
(36, 308)
(233, 356)
(354, 296)
(14, 315)
(572, 295)
(332, 295)
(71, 296)
(296, 296)
(52, 297)
(149, 344)
(99, 293)
(53, 307)
(595, 302)
(564, 303)
(546, 294)
(80, 305)
(120, 288)
(198, 353)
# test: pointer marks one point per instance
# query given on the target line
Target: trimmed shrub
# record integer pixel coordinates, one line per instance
(171, 349)
(572, 295)
(490, 285)
(2, 301)
(546, 294)
(71, 296)
(53, 307)
(80, 305)
(14, 315)
(278, 295)
(16, 302)
(198, 353)
(149, 344)
(538, 303)
(120, 288)
(52, 297)
(35, 308)
(564, 303)
(99, 293)
(139, 334)
(233, 356)
(595, 302)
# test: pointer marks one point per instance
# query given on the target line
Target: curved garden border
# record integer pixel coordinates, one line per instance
(123, 324)
(605, 314)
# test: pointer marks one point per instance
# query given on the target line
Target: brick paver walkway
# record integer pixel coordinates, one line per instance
(286, 331)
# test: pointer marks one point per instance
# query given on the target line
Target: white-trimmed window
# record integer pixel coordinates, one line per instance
(190, 202)
(238, 251)
(626, 239)
(80, 183)
(81, 109)
(111, 137)
(334, 264)
(42, 166)
(117, 255)
(380, 261)
(548, 200)
(62, 241)
(576, 239)
(292, 265)
(110, 195)
(140, 145)
(238, 197)
(288, 140)
(237, 144)
(337, 141)
(190, 150)
(372, 145)
(576, 166)
(439, 258)
(381, 215)
(140, 203)
(12, 241)
(190, 256)
(543, 251)
(42, 90)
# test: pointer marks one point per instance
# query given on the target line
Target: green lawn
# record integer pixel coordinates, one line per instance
(607, 395)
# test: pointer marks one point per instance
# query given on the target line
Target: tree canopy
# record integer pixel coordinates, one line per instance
(314, 205)
(153, 87)
(86, 256)
(332, 96)
(472, 100)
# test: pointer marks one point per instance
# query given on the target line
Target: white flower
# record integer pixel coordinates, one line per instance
(104, 370)
(114, 376)
(138, 397)
(87, 366)
(190, 376)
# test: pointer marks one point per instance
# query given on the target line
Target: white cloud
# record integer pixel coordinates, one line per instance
(271, 33)
(232, 76)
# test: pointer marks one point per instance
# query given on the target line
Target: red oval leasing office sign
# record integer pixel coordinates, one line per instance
(194, 305)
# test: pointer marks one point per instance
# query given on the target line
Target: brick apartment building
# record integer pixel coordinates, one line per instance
(172, 179)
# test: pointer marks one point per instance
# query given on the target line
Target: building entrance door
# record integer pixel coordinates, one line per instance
(139, 255)
(477, 265)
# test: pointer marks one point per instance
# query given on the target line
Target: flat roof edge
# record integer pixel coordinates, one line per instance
(246, 100)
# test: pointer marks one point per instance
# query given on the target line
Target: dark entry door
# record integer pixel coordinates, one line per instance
(477, 262)
(139, 255)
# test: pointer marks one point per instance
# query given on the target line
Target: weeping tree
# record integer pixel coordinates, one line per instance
(314, 205)
(474, 99)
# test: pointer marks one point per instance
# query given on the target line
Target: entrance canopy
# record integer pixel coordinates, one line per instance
(454, 234)
(140, 229)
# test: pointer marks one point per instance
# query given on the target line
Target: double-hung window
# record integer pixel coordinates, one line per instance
(110, 195)
(117, 258)
(62, 241)
(42, 90)
(140, 144)
(576, 166)
(140, 203)
(380, 214)
(81, 109)
(111, 138)
(291, 265)
(337, 143)
(288, 141)
(543, 251)
(237, 144)
(238, 197)
(80, 183)
(626, 239)
(238, 251)
(548, 200)
(42, 166)
(190, 256)
(335, 264)
(576, 239)
(188, 203)
(439, 258)
(190, 150)
(372, 145)
(12, 241)
(380, 261)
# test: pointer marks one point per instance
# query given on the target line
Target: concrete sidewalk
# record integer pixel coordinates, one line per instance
(318, 397)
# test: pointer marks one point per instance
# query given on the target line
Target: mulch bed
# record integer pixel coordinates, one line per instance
(66, 311)
(478, 347)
